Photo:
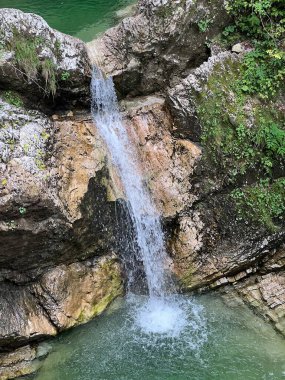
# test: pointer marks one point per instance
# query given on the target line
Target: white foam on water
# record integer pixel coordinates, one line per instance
(158, 316)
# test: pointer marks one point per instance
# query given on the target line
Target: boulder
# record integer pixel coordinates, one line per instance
(163, 42)
(40, 62)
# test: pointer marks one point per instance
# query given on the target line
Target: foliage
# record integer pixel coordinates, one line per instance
(264, 71)
(22, 210)
(244, 138)
(27, 59)
(259, 19)
(26, 54)
(263, 22)
(235, 144)
(13, 98)
(65, 76)
(204, 25)
(264, 202)
(49, 75)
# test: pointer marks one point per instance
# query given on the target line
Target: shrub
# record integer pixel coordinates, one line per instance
(263, 21)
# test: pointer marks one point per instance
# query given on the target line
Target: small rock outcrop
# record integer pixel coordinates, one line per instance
(40, 62)
(159, 45)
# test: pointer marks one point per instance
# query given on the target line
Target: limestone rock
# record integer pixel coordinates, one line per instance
(62, 297)
(147, 52)
(166, 162)
(237, 48)
(37, 60)
(266, 295)
(48, 196)
(182, 99)
(53, 176)
(21, 362)
(215, 247)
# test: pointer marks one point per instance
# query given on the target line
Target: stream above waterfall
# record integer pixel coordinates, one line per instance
(84, 19)
(220, 342)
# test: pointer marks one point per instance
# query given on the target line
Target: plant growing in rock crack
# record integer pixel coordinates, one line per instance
(27, 59)
(65, 76)
(13, 98)
(49, 75)
(204, 25)
(22, 210)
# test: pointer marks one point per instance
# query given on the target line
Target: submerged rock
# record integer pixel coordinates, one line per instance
(20, 362)
(62, 297)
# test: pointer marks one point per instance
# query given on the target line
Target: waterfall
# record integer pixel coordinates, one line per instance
(163, 312)
(144, 216)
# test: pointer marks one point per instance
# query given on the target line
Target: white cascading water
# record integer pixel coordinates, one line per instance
(162, 313)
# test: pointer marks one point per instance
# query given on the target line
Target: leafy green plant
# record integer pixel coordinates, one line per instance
(263, 21)
(203, 25)
(263, 71)
(22, 210)
(65, 76)
(13, 98)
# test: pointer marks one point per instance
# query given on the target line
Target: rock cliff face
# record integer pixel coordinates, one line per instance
(62, 216)
(58, 216)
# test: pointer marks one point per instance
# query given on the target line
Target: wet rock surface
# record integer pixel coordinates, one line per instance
(20, 362)
(52, 181)
(61, 298)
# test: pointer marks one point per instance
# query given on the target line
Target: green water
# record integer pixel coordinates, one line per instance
(218, 343)
(84, 19)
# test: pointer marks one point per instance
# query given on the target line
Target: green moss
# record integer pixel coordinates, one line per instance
(187, 279)
(243, 137)
(111, 284)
